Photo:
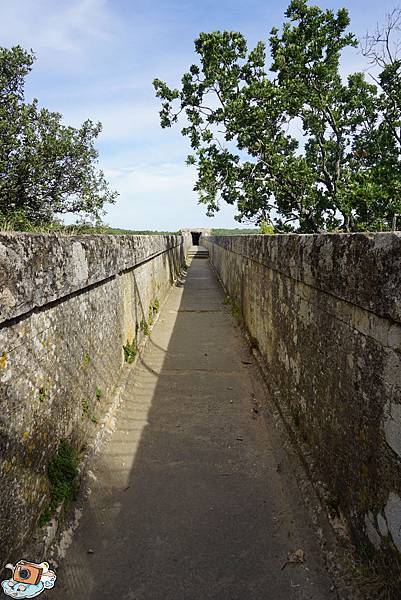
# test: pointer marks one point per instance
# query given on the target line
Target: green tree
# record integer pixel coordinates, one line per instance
(380, 146)
(285, 144)
(46, 168)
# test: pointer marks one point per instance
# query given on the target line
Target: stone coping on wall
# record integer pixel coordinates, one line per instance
(361, 268)
(36, 269)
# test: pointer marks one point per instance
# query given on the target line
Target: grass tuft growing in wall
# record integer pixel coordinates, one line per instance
(145, 327)
(62, 472)
(153, 310)
(130, 351)
(235, 309)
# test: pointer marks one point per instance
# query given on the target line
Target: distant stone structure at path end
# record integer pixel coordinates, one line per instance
(195, 233)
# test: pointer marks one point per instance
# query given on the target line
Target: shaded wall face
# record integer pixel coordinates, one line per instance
(325, 314)
(61, 359)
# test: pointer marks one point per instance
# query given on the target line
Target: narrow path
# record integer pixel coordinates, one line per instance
(187, 500)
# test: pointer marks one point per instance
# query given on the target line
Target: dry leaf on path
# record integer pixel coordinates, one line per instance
(294, 557)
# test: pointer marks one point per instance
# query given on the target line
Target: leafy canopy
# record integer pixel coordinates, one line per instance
(46, 168)
(292, 143)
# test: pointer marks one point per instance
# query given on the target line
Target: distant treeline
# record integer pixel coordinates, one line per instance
(15, 224)
(116, 231)
(237, 231)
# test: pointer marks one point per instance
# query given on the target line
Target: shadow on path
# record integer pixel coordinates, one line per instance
(186, 499)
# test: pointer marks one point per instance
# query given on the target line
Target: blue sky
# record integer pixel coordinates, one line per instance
(97, 59)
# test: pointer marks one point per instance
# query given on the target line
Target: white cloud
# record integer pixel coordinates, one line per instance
(112, 173)
(150, 179)
(160, 196)
(62, 27)
(122, 121)
(97, 59)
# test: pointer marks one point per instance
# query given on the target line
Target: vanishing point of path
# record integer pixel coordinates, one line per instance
(187, 500)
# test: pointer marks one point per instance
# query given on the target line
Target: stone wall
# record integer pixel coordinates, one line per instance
(324, 311)
(68, 306)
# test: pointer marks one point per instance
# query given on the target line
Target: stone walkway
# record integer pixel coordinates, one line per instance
(187, 500)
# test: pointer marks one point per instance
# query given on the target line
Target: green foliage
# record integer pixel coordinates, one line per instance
(235, 309)
(234, 231)
(44, 517)
(130, 351)
(62, 472)
(20, 222)
(86, 359)
(46, 167)
(114, 231)
(85, 407)
(42, 394)
(266, 228)
(99, 393)
(145, 327)
(153, 310)
(340, 171)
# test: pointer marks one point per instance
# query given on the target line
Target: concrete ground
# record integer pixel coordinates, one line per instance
(193, 497)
